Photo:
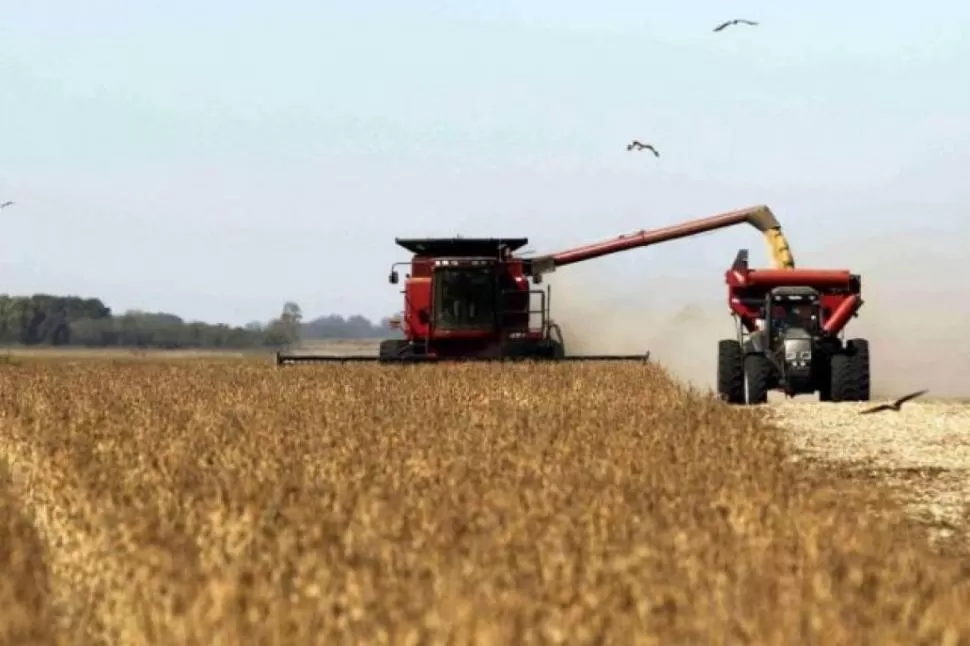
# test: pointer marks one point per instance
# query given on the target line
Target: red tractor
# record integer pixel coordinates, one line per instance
(790, 329)
(471, 299)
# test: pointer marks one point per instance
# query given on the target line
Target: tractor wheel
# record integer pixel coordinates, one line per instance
(730, 372)
(859, 351)
(845, 378)
(825, 387)
(757, 378)
(823, 377)
(391, 349)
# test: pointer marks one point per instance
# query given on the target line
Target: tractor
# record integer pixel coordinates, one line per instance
(790, 335)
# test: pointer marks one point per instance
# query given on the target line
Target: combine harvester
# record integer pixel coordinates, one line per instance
(469, 299)
(790, 329)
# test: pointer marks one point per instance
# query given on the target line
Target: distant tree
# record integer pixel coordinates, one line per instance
(286, 329)
(292, 315)
(353, 327)
(45, 319)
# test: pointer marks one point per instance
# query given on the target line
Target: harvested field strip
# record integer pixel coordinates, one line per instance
(923, 451)
(229, 502)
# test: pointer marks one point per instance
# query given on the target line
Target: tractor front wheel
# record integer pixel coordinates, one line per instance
(758, 372)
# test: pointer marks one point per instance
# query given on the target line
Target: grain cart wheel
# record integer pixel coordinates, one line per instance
(730, 372)
(845, 378)
(859, 351)
(757, 378)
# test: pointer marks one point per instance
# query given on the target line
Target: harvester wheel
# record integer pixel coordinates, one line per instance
(730, 371)
(845, 378)
(859, 351)
(757, 378)
(392, 349)
(556, 349)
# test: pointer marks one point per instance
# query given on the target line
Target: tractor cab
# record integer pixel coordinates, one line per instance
(791, 327)
(793, 312)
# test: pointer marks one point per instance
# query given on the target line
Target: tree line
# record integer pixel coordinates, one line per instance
(44, 319)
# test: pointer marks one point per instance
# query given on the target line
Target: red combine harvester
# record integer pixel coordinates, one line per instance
(790, 326)
(470, 298)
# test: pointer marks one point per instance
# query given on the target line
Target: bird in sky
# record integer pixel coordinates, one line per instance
(896, 405)
(736, 21)
(5, 205)
(639, 146)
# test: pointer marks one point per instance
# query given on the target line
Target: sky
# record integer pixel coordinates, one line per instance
(218, 159)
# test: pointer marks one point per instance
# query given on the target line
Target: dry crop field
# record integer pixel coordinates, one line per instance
(225, 501)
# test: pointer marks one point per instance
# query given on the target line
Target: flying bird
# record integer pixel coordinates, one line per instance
(639, 146)
(5, 205)
(736, 21)
(896, 404)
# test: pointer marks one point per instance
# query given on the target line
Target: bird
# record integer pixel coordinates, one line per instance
(636, 144)
(896, 404)
(5, 205)
(736, 21)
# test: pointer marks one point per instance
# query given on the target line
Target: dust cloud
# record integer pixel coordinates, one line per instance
(916, 316)
(680, 333)
(917, 312)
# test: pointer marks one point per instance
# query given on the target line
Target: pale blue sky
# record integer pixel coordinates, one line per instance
(216, 159)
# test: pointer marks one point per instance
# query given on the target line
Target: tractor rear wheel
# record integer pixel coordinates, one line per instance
(730, 371)
(757, 378)
(845, 378)
(859, 351)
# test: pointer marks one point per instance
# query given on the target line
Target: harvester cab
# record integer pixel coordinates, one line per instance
(471, 298)
(790, 329)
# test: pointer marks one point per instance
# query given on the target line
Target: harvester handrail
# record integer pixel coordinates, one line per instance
(759, 217)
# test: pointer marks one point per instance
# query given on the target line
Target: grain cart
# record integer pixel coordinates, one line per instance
(470, 298)
(790, 335)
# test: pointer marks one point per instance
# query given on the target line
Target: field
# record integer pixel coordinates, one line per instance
(224, 501)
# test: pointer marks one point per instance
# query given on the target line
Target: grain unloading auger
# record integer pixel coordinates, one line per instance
(469, 299)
